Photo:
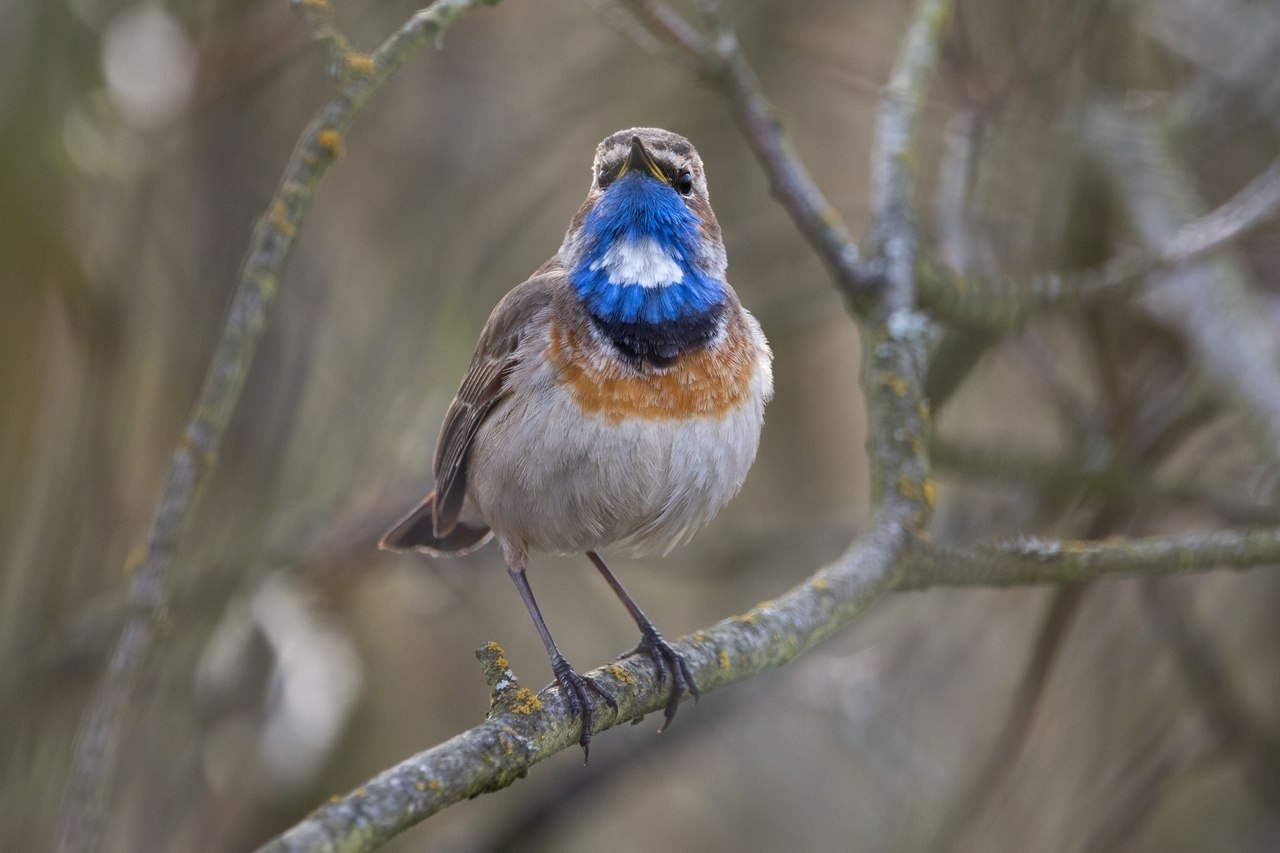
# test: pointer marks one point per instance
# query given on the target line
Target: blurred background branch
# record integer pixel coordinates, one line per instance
(97, 748)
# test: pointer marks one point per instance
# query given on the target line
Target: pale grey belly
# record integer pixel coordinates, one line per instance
(547, 479)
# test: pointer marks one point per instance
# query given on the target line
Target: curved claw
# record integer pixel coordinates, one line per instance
(666, 659)
(575, 688)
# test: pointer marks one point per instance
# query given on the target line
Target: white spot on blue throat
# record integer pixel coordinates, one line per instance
(640, 259)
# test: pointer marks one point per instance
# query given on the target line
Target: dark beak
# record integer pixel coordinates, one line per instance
(641, 160)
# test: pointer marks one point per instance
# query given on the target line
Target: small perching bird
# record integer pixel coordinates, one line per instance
(614, 398)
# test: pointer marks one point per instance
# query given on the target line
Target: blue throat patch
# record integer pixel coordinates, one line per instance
(637, 209)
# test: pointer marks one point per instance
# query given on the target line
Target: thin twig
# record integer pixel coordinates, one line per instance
(332, 42)
(1212, 306)
(965, 810)
(1124, 805)
(1002, 302)
(1112, 479)
(1224, 708)
(96, 753)
(721, 61)
(893, 230)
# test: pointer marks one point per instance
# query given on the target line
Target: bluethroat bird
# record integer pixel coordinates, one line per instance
(614, 398)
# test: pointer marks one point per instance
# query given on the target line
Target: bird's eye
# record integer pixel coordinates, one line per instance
(684, 183)
(603, 177)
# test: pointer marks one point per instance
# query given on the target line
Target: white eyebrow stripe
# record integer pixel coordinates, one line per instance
(643, 262)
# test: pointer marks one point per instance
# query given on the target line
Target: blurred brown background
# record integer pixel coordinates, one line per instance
(140, 140)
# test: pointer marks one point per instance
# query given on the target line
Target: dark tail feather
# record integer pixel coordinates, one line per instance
(415, 532)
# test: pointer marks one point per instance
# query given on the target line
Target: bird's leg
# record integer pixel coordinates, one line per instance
(651, 643)
(573, 686)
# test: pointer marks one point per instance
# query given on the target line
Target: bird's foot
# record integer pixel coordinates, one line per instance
(667, 660)
(575, 688)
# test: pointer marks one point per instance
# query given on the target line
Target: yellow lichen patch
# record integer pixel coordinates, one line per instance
(723, 659)
(619, 673)
(330, 141)
(137, 555)
(524, 701)
(820, 584)
(923, 411)
(909, 488)
(830, 217)
(434, 785)
(421, 786)
(501, 660)
(930, 490)
(361, 792)
(359, 63)
(896, 384)
(279, 217)
(749, 618)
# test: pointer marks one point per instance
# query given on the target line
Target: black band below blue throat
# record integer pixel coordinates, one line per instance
(658, 344)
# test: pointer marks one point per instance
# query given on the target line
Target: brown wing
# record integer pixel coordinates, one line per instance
(483, 389)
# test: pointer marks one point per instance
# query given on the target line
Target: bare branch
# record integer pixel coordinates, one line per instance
(332, 42)
(1038, 561)
(96, 752)
(1113, 479)
(893, 231)
(524, 730)
(1005, 302)
(522, 733)
(1224, 708)
(1015, 727)
(722, 62)
(1212, 305)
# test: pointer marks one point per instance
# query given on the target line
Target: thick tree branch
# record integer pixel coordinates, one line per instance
(521, 733)
(523, 730)
(96, 752)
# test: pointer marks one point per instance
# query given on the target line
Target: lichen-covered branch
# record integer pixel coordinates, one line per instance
(96, 752)
(1029, 560)
(523, 729)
